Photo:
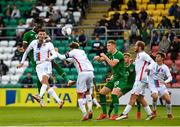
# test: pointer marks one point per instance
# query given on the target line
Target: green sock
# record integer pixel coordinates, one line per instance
(110, 108)
(39, 85)
(103, 103)
(60, 71)
(115, 101)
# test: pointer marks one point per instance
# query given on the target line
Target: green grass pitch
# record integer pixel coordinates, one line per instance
(19, 116)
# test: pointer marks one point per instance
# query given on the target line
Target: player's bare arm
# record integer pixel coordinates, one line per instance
(99, 58)
(112, 63)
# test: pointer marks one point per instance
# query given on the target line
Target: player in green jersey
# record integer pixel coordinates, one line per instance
(130, 73)
(117, 85)
(27, 39)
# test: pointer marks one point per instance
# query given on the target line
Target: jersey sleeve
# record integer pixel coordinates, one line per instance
(29, 48)
(148, 59)
(70, 54)
(168, 74)
(53, 52)
(25, 38)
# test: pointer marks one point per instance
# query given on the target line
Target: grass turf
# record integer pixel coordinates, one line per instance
(19, 116)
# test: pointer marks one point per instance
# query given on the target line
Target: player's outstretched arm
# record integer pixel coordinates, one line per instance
(112, 63)
(60, 56)
(99, 59)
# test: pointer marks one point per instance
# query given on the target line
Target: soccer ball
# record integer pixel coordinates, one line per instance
(66, 30)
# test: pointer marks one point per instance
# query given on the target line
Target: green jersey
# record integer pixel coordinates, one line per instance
(118, 70)
(131, 74)
(28, 38)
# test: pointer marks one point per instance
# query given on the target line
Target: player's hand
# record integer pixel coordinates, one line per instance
(21, 49)
(20, 65)
(102, 55)
(108, 79)
(96, 58)
(56, 49)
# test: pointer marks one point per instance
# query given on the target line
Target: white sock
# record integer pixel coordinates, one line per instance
(169, 108)
(54, 95)
(96, 102)
(127, 109)
(82, 106)
(154, 105)
(148, 110)
(43, 90)
(89, 102)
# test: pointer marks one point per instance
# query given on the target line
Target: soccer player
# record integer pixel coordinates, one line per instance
(159, 76)
(130, 73)
(141, 64)
(27, 39)
(42, 58)
(85, 77)
(117, 85)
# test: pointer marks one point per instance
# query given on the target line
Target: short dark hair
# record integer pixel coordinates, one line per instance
(74, 45)
(140, 44)
(41, 30)
(112, 42)
(161, 54)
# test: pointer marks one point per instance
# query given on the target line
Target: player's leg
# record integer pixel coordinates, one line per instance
(154, 96)
(62, 73)
(138, 113)
(82, 89)
(116, 93)
(147, 109)
(165, 96)
(102, 96)
(94, 100)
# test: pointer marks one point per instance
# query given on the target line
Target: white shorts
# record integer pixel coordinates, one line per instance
(161, 90)
(84, 81)
(44, 68)
(138, 88)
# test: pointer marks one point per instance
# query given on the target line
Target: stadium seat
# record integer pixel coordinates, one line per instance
(3, 43)
(168, 85)
(155, 18)
(55, 8)
(14, 79)
(151, 7)
(12, 43)
(167, 6)
(77, 16)
(103, 70)
(67, 70)
(91, 56)
(8, 50)
(138, 2)
(159, 18)
(8, 63)
(172, 1)
(63, 8)
(3, 57)
(177, 63)
(1, 50)
(9, 56)
(145, 1)
(59, 2)
(156, 13)
(15, 63)
(171, 18)
(176, 85)
(165, 12)
(19, 71)
(149, 12)
(99, 78)
(178, 78)
(140, 6)
(126, 1)
(5, 79)
(159, 6)
(124, 7)
(12, 70)
(43, 14)
(168, 63)
(155, 48)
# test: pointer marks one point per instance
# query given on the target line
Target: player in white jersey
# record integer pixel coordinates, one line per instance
(142, 62)
(159, 76)
(42, 57)
(85, 77)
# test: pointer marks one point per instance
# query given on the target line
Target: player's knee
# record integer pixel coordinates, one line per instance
(80, 95)
(154, 96)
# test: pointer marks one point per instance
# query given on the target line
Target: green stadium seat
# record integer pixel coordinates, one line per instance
(99, 78)
(102, 70)
(67, 70)
(73, 71)
(87, 48)
(91, 56)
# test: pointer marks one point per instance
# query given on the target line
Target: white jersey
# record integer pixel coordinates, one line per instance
(40, 54)
(80, 60)
(159, 75)
(142, 62)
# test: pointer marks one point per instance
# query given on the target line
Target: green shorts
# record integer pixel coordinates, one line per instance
(118, 83)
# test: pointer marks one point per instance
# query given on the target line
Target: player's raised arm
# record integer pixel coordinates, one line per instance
(29, 48)
(99, 58)
(112, 63)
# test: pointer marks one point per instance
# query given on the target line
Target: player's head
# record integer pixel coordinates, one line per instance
(73, 45)
(41, 35)
(139, 46)
(37, 27)
(111, 46)
(160, 57)
(127, 58)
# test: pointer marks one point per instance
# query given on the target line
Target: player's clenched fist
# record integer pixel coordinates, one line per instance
(20, 65)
